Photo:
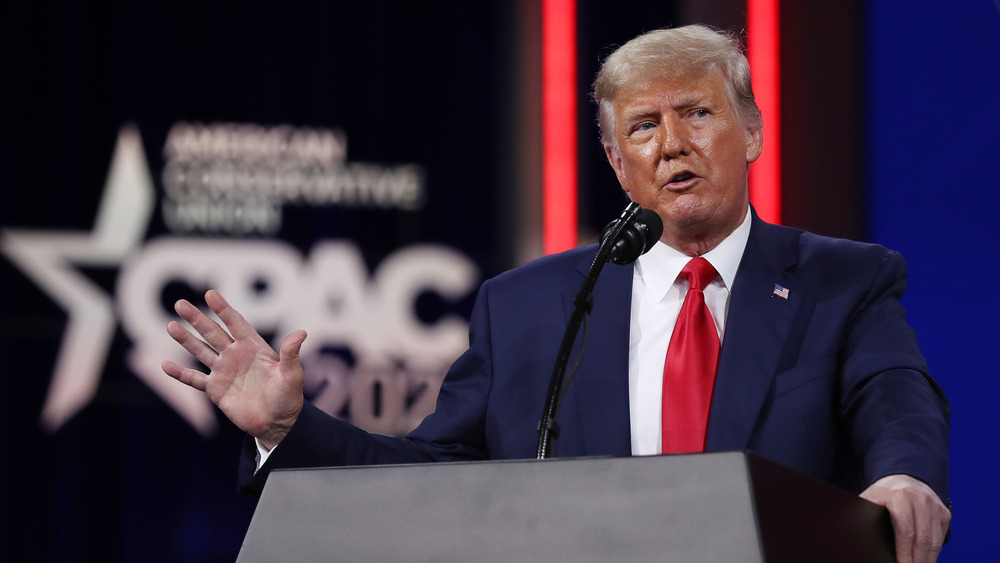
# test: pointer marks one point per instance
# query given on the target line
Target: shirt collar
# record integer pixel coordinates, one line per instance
(660, 267)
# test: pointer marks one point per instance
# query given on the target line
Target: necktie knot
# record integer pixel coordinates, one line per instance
(699, 273)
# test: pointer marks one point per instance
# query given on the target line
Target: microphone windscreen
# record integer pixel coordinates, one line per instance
(644, 228)
(654, 226)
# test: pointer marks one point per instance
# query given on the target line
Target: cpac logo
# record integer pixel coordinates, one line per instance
(398, 359)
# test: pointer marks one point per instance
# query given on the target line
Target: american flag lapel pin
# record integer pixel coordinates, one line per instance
(781, 292)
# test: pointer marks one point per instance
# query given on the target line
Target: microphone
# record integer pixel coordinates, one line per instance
(641, 230)
(622, 241)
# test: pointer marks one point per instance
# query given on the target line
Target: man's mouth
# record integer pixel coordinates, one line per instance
(680, 178)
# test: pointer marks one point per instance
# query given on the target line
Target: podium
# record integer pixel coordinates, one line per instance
(715, 507)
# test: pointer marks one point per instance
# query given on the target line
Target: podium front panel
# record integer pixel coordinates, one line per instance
(665, 508)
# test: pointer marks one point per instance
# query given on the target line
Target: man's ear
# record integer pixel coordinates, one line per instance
(755, 143)
(615, 159)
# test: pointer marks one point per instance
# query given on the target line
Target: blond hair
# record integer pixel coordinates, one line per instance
(688, 50)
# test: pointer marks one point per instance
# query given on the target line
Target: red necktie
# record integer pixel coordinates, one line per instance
(689, 371)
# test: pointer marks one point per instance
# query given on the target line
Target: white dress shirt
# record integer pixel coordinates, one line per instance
(657, 296)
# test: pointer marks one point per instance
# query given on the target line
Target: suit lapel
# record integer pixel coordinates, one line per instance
(600, 405)
(757, 328)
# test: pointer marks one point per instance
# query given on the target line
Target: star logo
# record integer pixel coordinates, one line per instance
(376, 319)
(51, 259)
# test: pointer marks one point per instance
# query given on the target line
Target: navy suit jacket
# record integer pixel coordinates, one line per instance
(829, 381)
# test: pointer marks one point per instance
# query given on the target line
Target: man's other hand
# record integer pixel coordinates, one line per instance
(919, 519)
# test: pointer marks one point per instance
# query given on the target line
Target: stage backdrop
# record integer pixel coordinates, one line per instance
(325, 165)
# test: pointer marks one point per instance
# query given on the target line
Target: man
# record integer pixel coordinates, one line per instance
(810, 361)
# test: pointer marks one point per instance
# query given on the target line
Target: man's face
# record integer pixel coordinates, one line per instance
(682, 152)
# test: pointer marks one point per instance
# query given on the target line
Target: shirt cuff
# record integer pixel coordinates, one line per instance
(262, 454)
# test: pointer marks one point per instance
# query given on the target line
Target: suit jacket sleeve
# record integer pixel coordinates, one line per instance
(898, 414)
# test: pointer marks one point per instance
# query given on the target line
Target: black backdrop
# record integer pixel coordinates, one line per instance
(126, 478)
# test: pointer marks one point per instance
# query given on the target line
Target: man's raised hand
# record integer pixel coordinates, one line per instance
(260, 391)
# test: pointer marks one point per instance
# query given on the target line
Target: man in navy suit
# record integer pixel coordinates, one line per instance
(817, 370)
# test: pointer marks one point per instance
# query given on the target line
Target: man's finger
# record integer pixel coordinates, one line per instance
(903, 526)
(187, 376)
(234, 321)
(214, 335)
(194, 346)
(931, 529)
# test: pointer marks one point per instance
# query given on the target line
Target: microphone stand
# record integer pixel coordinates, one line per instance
(548, 428)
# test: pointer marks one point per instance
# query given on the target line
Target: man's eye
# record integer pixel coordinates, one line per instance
(700, 113)
(646, 126)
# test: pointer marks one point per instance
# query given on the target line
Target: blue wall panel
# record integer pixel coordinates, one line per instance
(933, 157)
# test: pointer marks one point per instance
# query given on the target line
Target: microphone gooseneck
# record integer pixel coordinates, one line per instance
(622, 241)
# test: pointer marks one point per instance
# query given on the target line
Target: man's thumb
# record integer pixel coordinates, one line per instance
(290, 347)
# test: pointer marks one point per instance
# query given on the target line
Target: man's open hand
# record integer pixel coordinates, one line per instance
(260, 391)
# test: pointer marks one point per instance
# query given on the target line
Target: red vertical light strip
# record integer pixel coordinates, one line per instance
(763, 49)
(559, 167)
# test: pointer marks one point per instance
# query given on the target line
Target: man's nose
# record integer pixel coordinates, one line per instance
(675, 138)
